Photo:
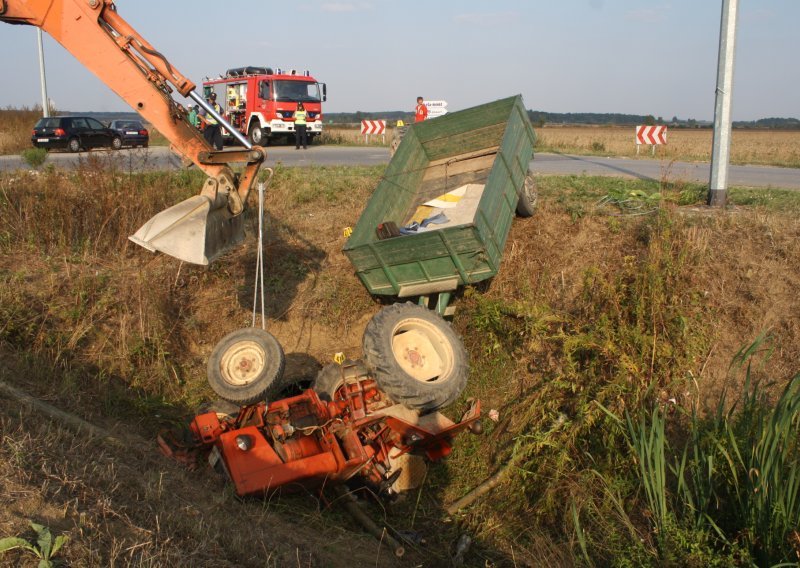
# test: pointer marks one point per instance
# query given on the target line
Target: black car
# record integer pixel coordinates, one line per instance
(132, 132)
(75, 133)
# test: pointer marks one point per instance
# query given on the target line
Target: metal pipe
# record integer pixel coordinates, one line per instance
(210, 110)
(721, 148)
(45, 104)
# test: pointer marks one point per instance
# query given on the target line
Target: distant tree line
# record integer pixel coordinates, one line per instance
(358, 116)
(776, 123)
(540, 118)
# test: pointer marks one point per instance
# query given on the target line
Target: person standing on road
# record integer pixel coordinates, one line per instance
(300, 126)
(421, 112)
(213, 131)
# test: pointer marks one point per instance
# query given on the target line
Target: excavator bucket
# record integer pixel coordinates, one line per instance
(193, 231)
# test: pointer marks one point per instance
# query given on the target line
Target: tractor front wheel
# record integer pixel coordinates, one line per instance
(246, 366)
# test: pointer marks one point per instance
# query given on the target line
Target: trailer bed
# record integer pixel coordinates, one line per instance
(489, 145)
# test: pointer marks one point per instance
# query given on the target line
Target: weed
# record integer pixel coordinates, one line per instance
(34, 157)
(45, 548)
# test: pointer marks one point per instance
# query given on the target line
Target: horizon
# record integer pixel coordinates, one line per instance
(389, 112)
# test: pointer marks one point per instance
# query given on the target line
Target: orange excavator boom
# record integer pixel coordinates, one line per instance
(200, 228)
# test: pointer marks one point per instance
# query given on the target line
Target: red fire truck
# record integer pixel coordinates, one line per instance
(260, 102)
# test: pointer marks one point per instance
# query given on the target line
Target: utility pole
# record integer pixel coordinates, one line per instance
(721, 149)
(45, 103)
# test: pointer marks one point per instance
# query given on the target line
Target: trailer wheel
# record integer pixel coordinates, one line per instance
(528, 197)
(416, 357)
(246, 366)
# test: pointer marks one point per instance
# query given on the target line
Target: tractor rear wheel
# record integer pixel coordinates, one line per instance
(246, 366)
(416, 357)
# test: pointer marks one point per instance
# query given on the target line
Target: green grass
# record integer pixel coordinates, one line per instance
(581, 195)
(34, 157)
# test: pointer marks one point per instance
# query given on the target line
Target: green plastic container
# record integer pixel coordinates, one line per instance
(490, 144)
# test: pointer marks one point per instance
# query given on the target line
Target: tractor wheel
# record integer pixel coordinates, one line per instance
(416, 357)
(332, 376)
(222, 408)
(528, 197)
(74, 145)
(246, 366)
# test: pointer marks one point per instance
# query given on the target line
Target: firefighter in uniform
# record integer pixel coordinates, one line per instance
(213, 131)
(300, 134)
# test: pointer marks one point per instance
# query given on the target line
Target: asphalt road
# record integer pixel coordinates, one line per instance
(160, 158)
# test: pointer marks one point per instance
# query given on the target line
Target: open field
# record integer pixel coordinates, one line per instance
(763, 147)
(775, 148)
(592, 306)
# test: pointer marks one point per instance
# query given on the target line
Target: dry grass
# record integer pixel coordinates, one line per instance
(15, 128)
(116, 335)
(351, 135)
(776, 148)
(592, 308)
(100, 328)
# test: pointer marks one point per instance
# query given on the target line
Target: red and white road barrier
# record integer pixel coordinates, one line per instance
(653, 135)
(373, 126)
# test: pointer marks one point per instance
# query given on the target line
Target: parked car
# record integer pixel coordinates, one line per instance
(74, 133)
(132, 132)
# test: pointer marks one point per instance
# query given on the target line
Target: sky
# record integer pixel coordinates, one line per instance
(654, 57)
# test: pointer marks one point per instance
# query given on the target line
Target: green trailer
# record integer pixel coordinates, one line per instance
(476, 158)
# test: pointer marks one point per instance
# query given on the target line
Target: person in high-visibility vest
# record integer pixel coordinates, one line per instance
(300, 126)
(421, 112)
(213, 131)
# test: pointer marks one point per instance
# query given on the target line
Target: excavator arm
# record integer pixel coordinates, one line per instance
(202, 227)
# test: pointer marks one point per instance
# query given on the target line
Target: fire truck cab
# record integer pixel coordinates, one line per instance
(260, 102)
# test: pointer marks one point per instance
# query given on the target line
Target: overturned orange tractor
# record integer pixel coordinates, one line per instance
(370, 420)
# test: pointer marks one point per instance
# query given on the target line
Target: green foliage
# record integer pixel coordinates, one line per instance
(34, 157)
(759, 471)
(45, 548)
(648, 443)
(580, 194)
(632, 201)
(735, 487)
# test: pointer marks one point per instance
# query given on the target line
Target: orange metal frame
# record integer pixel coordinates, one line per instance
(337, 440)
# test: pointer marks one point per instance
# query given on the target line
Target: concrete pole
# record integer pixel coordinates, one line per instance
(45, 104)
(721, 149)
